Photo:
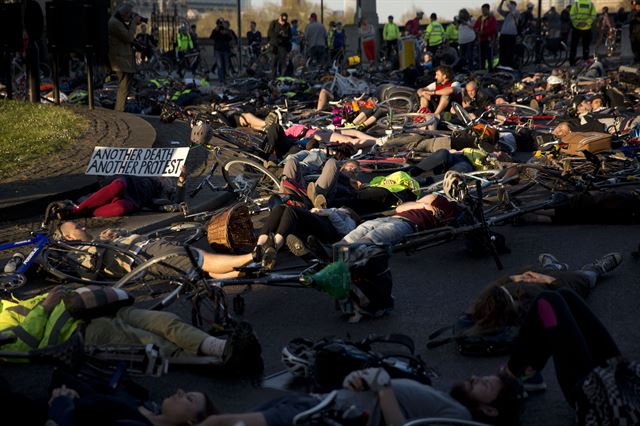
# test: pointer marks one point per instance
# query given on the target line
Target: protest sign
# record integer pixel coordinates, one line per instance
(108, 161)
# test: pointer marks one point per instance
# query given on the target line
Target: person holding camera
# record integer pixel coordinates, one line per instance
(122, 29)
(280, 41)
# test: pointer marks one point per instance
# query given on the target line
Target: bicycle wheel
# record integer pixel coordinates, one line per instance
(180, 233)
(397, 104)
(250, 180)
(86, 262)
(548, 178)
(209, 311)
(554, 54)
(515, 109)
(162, 276)
(407, 121)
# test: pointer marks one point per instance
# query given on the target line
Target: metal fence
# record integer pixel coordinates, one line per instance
(165, 27)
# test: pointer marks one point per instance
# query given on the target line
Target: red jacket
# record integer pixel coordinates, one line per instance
(486, 28)
(412, 27)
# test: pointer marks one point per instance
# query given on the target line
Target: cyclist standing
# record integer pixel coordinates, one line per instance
(315, 36)
(280, 40)
(390, 35)
(412, 27)
(582, 14)
(434, 34)
(222, 46)
(339, 41)
(508, 33)
(451, 33)
(184, 44)
(604, 25)
(486, 27)
(254, 40)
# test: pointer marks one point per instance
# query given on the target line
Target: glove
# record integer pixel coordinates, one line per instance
(372, 379)
(53, 298)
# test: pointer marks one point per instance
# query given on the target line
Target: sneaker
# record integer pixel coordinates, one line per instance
(296, 246)
(268, 260)
(549, 261)
(605, 264)
(534, 383)
(243, 353)
(320, 202)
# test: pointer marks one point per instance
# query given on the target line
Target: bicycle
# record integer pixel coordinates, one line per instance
(246, 174)
(68, 261)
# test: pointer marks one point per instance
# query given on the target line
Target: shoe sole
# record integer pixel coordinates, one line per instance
(296, 246)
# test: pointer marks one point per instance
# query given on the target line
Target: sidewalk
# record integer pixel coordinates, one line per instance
(62, 174)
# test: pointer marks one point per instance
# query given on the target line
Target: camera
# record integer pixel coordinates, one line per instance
(144, 20)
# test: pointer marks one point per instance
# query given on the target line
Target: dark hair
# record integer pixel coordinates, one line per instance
(434, 16)
(493, 308)
(508, 403)
(284, 14)
(209, 409)
(446, 70)
(464, 15)
(486, 6)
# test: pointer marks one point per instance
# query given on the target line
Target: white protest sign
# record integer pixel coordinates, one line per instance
(108, 161)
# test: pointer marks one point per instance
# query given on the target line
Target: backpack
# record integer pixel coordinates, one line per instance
(293, 194)
(371, 286)
(334, 358)
(477, 344)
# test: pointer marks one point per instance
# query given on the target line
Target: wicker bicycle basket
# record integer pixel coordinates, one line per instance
(232, 230)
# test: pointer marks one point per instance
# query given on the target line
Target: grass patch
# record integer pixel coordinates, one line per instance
(30, 132)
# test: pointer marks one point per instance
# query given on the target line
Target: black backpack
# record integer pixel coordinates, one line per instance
(474, 344)
(335, 358)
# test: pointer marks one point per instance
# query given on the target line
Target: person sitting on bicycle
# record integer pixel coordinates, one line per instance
(369, 396)
(44, 321)
(214, 264)
(254, 40)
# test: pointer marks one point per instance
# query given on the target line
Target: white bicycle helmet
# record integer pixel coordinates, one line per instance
(453, 185)
(298, 357)
(201, 133)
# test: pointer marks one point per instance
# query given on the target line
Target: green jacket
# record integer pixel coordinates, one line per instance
(183, 42)
(582, 14)
(451, 33)
(396, 182)
(390, 32)
(33, 326)
(434, 34)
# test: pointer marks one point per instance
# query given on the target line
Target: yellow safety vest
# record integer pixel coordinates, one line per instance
(184, 42)
(451, 33)
(582, 14)
(434, 34)
(390, 31)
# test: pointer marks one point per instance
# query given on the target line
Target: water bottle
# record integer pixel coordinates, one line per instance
(13, 263)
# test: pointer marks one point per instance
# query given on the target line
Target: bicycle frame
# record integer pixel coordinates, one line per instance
(39, 240)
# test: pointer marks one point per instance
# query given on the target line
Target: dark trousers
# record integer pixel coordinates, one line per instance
(442, 160)
(466, 54)
(507, 48)
(286, 220)
(392, 45)
(222, 63)
(560, 325)
(374, 199)
(486, 55)
(576, 37)
(635, 48)
(279, 62)
(124, 78)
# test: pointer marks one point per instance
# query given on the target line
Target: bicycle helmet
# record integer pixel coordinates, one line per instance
(298, 357)
(554, 80)
(201, 133)
(454, 185)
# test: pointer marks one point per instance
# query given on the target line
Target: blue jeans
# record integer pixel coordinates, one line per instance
(222, 60)
(381, 231)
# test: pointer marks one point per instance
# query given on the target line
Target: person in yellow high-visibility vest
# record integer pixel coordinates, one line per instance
(434, 34)
(582, 14)
(390, 35)
(184, 44)
(451, 33)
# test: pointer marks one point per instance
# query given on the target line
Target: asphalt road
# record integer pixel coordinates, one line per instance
(431, 287)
